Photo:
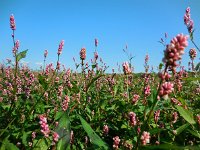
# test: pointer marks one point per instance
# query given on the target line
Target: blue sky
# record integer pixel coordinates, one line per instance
(42, 24)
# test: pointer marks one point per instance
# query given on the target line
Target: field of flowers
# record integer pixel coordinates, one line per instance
(56, 108)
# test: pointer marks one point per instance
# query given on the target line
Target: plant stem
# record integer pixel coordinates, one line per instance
(151, 111)
(195, 44)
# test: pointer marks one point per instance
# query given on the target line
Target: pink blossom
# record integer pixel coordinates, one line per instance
(33, 135)
(58, 65)
(175, 117)
(17, 44)
(95, 56)
(192, 53)
(147, 90)
(65, 103)
(175, 50)
(145, 138)
(132, 119)
(126, 68)
(188, 21)
(44, 126)
(135, 98)
(146, 59)
(166, 89)
(60, 48)
(83, 54)
(156, 116)
(175, 101)
(45, 53)
(96, 42)
(105, 129)
(165, 76)
(60, 90)
(12, 23)
(55, 137)
(116, 142)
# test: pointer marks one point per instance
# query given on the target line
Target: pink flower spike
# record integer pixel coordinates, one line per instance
(12, 23)
(17, 44)
(60, 48)
(145, 138)
(55, 137)
(83, 54)
(45, 53)
(96, 42)
(126, 68)
(105, 129)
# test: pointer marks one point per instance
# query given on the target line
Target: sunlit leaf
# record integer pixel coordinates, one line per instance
(95, 139)
(186, 114)
(21, 55)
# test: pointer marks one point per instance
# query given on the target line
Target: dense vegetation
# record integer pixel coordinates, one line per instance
(56, 108)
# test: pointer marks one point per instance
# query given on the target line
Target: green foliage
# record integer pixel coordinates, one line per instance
(63, 130)
(186, 114)
(21, 55)
(95, 139)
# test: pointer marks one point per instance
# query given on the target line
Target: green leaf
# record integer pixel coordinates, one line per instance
(24, 137)
(155, 131)
(95, 139)
(43, 82)
(186, 114)
(197, 67)
(182, 128)
(59, 115)
(63, 130)
(8, 146)
(93, 80)
(195, 133)
(21, 55)
(168, 146)
(42, 144)
(161, 66)
(94, 66)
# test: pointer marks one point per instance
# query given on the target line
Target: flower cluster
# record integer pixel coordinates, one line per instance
(126, 68)
(175, 117)
(55, 137)
(96, 42)
(83, 54)
(192, 53)
(156, 116)
(65, 103)
(166, 89)
(165, 76)
(105, 129)
(95, 56)
(188, 21)
(135, 98)
(174, 50)
(12, 23)
(44, 126)
(147, 90)
(145, 138)
(175, 102)
(45, 53)
(116, 142)
(132, 119)
(16, 47)
(60, 48)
